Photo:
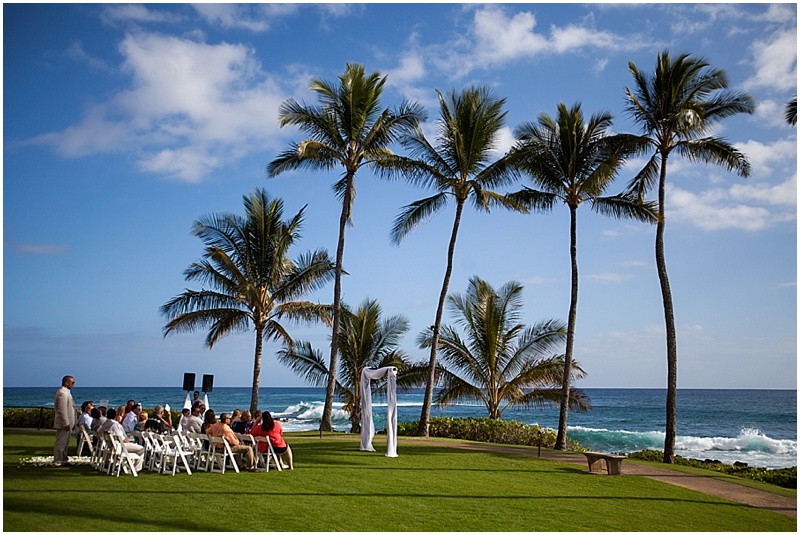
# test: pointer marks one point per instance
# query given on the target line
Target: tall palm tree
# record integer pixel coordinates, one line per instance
(459, 164)
(500, 362)
(251, 279)
(348, 129)
(574, 162)
(365, 341)
(676, 107)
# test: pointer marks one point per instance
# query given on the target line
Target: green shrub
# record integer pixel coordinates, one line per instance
(783, 477)
(29, 418)
(488, 430)
(25, 418)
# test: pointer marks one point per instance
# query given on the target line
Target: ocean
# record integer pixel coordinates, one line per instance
(758, 427)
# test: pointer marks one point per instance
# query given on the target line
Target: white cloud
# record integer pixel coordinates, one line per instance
(775, 62)
(574, 37)
(410, 70)
(499, 37)
(242, 16)
(46, 249)
(496, 37)
(608, 277)
(504, 142)
(765, 158)
(114, 14)
(190, 107)
(783, 194)
(719, 209)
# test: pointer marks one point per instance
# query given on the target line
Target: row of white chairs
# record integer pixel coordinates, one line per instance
(108, 453)
(172, 453)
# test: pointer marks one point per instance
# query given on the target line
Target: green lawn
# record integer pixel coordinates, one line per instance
(338, 488)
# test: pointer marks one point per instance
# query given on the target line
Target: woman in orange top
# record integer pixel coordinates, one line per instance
(274, 431)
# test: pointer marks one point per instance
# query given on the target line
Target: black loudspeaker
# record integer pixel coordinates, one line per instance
(188, 381)
(208, 383)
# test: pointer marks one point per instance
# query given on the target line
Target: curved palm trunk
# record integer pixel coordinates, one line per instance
(669, 320)
(561, 438)
(425, 416)
(325, 423)
(257, 368)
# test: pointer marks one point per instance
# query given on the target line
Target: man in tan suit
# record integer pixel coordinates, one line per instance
(64, 421)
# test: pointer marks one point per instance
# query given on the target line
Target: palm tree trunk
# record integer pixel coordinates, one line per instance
(257, 368)
(669, 320)
(561, 438)
(326, 423)
(425, 416)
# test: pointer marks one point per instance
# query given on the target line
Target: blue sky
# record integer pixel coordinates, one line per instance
(124, 123)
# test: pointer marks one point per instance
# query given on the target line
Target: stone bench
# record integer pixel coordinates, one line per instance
(612, 463)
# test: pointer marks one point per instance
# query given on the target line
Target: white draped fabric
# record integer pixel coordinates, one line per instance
(187, 404)
(367, 426)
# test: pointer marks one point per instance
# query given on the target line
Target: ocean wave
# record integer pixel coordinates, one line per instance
(751, 445)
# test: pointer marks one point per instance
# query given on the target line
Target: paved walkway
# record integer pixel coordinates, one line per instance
(707, 485)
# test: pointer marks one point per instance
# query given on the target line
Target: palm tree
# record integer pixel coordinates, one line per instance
(252, 280)
(458, 165)
(676, 106)
(500, 362)
(365, 341)
(574, 162)
(348, 129)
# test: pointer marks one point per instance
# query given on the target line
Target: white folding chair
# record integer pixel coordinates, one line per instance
(264, 458)
(173, 453)
(123, 460)
(156, 463)
(197, 445)
(100, 450)
(84, 440)
(220, 452)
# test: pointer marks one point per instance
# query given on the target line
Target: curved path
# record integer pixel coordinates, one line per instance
(707, 485)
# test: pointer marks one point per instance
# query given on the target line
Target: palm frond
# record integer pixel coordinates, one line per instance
(622, 206)
(716, 151)
(414, 214)
(304, 361)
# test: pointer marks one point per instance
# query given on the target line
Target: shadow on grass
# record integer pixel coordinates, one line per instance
(24, 505)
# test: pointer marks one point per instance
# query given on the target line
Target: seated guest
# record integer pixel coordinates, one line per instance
(185, 413)
(239, 420)
(86, 415)
(120, 414)
(242, 427)
(131, 419)
(273, 429)
(191, 423)
(157, 422)
(254, 421)
(113, 427)
(140, 422)
(208, 420)
(222, 429)
(98, 418)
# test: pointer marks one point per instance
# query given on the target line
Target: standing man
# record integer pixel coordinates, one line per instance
(64, 420)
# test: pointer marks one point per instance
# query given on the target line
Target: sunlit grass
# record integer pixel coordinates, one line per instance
(338, 488)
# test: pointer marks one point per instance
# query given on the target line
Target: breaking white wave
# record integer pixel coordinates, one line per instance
(750, 446)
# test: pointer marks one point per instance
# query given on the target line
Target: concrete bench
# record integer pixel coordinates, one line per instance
(612, 463)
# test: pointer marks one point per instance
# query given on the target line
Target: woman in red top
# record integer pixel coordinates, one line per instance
(272, 429)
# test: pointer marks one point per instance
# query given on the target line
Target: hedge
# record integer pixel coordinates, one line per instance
(489, 430)
(29, 418)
